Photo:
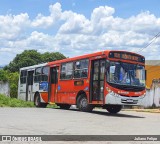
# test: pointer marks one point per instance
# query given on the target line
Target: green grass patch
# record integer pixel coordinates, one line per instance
(52, 106)
(13, 102)
(157, 110)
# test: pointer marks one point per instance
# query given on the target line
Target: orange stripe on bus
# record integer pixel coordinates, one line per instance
(44, 96)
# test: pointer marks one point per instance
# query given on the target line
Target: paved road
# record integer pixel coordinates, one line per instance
(66, 122)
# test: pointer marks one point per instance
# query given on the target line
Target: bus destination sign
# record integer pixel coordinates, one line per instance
(126, 56)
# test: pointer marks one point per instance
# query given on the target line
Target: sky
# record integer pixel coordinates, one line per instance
(77, 27)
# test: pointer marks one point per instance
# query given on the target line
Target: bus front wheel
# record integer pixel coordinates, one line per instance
(113, 108)
(83, 105)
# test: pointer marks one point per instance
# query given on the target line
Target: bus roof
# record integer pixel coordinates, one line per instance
(78, 57)
(33, 67)
(106, 52)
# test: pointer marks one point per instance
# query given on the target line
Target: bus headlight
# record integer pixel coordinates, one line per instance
(114, 94)
(108, 89)
(143, 95)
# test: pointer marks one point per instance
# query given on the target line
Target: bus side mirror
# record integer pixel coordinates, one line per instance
(145, 74)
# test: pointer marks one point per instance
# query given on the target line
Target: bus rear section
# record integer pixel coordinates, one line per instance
(33, 84)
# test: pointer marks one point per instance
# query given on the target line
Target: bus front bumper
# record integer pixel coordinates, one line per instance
(115, 99)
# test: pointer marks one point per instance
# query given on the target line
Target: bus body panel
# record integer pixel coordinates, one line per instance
(68, 90)
(53, 92)
(44, 97)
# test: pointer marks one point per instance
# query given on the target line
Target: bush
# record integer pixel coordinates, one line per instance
(12, 78)
(13, 81)
(3, 75)
(13, 102)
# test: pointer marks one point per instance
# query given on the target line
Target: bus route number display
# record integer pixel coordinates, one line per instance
(126, 56)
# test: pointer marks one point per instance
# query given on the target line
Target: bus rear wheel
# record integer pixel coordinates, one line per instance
(83, 104)
(64, 106)
(113, 108)
(37, 102)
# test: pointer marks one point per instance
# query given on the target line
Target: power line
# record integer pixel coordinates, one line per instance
(151, 41)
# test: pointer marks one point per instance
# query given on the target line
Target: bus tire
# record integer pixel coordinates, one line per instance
(83, 104)
(64, 106)
(37, 101)
(78, 101)
(44, 105)
(113, 108)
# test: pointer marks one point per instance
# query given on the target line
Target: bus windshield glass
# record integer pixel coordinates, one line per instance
(126, 74)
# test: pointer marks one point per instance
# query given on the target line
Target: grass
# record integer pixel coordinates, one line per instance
(52, 106)
(157, 110)
(13, 102)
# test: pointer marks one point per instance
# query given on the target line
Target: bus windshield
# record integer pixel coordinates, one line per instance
(126, 74)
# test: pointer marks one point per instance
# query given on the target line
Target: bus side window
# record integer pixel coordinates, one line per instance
(81, 69)
(84, 68)
(66, 71)
(77, 73)
(23, 76)
(37, 77)
(63, 71)
(45, 71)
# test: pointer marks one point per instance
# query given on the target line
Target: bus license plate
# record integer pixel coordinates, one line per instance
(130, 100)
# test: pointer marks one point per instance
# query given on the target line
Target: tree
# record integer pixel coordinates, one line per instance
(32, 57)
(48, 57)
(3, 75)
(26, 58)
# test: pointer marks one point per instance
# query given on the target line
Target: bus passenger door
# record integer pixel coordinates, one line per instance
(97, 80)
(53, 84)
(29, 87)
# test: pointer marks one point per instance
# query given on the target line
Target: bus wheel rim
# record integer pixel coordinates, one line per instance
(37, 101)
(84, 103)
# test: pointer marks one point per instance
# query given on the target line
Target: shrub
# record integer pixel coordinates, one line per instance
(12, 78)
(3, 75)
(13, 81)
(13, 102)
